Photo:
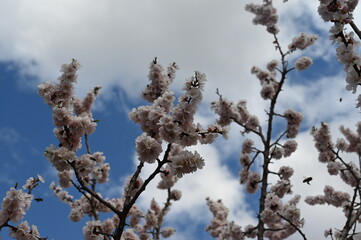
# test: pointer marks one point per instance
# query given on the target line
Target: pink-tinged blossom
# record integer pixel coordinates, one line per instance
(175, 195)
(293, 117)
(168, 180)
(219, 224)
(169, 129)
(293, 122)
(301, 42)
(101, 173)
(268, 90)
(266, 15)
(15, 204)
(186, 162)
(59, 157)
(269, 216)
(351, 174)
(148, 149)
(188, 103)
(77, 211)
(61, 116)
(91, 229)
(282, 187)
(277, 152)
(148, 117)
(132, 190)
(31, 183)
(247, 146)
(86, 105)
(289, 147)
(159, 80)
(65, 178)
(252, 182)
(188, 137)
(85, 165)
(136, 215)
(323, 142)
(353, 139)
(209, 136)
(303, 63)
(341, 144)
(340, 11)
(243, 175)
(333, 168)
(245, 160)
(167, 232)
(24, 232)
(347, 54)
(151, 219)
(129, 234)
(252, 123)
(165, 101)
(328, 232)
(272, 65)
(154, 206)
(250, 231)
(353, 79)
(62, 195)
(226, 112)
(285, 172)
(108, 226)
(242, 111)
(332, 197)
(61, 94)
(265, 76)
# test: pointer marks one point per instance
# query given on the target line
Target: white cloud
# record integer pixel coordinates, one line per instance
(214, 181)
(115, 41)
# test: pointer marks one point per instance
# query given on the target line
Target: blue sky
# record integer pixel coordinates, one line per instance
(115, 41)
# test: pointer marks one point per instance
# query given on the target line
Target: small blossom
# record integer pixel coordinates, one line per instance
(277, 152)
(90, 230)
(266, 15)
(285, 172)
(301, 42)
(303, 63)
(167, 232)
(148, 149)
(271, 66)
(15, 204)
(252, 182)
(24, 232)
(290, 146)
(175, 195)
(186, 162)
(247, 146)
(245, 160)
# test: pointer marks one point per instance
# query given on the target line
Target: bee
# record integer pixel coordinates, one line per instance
(38, 199)
(307, 180)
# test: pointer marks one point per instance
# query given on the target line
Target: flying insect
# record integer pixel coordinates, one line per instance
(307, 180)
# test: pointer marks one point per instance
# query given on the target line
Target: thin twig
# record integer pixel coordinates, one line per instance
(293, 225)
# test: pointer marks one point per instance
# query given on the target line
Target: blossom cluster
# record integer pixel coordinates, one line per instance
(340, 13)
(14, 207)
(162, 121)
(330, 154)
(220, 227)
(266, 15)
(71, 116)
(277, 219)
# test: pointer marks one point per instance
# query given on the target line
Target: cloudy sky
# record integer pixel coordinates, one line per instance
(115, 40)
